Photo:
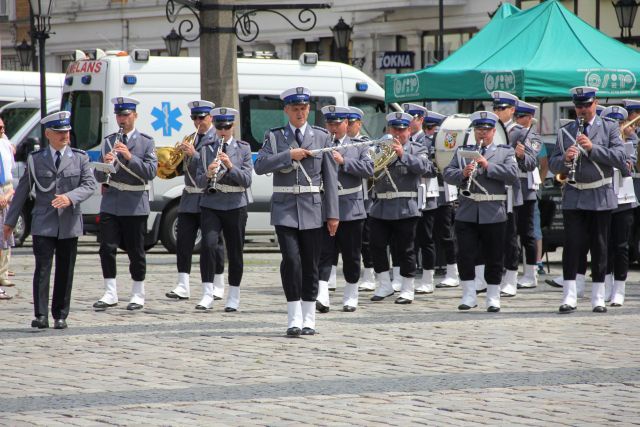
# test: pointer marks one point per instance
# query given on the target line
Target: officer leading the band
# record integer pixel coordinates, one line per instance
(60, 178)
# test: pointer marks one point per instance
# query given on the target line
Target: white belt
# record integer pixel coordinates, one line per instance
(522, 174)
(230, 188)
(591, 185)
(342, 192)
(191, 190)
(396, 194)
(128, 187)
(476, 197)
(296, 189)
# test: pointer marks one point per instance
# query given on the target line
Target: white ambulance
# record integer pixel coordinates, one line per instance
(164, 86)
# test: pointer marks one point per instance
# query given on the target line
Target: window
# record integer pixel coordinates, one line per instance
(374, 120)
(15, 118)
(86, 111)
(262, 112)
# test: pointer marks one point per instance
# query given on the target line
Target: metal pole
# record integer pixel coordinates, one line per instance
(597, 15)
(43, 79)
(218, 58)
(441, 30)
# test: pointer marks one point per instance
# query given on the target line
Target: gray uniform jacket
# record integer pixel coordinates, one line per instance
(502, 170)
(532, 144)
(239, 175)
(357, 165)
(303, 211)
(143, 163)
(73, 179)
(190, 202)
(406, 173)
(607, 152)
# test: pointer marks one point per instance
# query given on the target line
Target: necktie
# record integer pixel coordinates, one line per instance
(298, 136)
(483, 150)
(58, 159)
(586, 129)
(199, 138)
(124, 139)
(2, 179)
(336, 142)
(224, 147)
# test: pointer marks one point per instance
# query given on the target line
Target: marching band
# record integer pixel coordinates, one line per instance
(338, 191)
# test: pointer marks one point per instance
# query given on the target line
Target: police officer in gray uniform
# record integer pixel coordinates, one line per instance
(225, 171)
(621, 217)
(396, 209)
(526, 143)
(125, 202)
(59, 177)
(354, 164)
(481, 216)
(189, 209)
(586, 152)
(298, 210)
(368, 281)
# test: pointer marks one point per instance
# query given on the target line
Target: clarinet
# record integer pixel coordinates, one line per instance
(571, 177)
(214, 181)
(467, 190)
(113, 152)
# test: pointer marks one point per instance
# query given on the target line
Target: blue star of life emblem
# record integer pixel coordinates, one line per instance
(166, 118)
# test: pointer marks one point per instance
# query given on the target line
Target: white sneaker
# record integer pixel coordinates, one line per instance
(368, 282)
(451, 279)
(425, 284)
(397, 279)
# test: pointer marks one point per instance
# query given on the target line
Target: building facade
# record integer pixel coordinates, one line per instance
(387, 37)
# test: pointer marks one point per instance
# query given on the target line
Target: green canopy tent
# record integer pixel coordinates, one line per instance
(537, 54)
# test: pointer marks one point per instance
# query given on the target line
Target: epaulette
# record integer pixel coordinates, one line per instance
(564, 126)
(77, 150)
(364, 138)
(357, 139)
(110, 135)
(276, 129)
(241, 142)
(37, 151)
(608, 119)
(320, 128)
(145, 135)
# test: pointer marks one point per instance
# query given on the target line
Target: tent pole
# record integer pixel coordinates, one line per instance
(441, 30)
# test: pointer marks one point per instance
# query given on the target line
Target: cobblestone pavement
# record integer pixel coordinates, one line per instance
(424, 363)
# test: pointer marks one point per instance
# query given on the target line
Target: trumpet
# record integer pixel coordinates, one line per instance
(571, 176)
(213, 182)
(467, 190)
(385, 140)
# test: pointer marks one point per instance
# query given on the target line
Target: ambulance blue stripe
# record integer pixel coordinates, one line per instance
(94, 155)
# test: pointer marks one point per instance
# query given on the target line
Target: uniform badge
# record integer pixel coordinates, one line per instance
(196, 104)
(450, 139)
(223, 111)
(332, 108)
(483, 115)
(299, 90)
(399, 115)
(120, 100)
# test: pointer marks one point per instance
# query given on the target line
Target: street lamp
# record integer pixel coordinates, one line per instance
(173, 43)
(24, 54)
(41, 13)
(342, 35)
(626, 14)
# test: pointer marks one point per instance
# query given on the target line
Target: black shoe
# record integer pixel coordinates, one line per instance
(201, 307)
(60, 324)
(173, 295)
(444, 285)
(215, 298)
(615, 304)
(566, 308)
(101, 305)
(349, 308)
(40, 322)
(321, 307)
(519, 286)
(134, 306)
(379, 298)
(553, 283)
(481, 291)
(493, 309)
(401, 300)
(308, 331)
(600, 309)
(230, 309)
(463, 307)
(294, 332)
(507, 295)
